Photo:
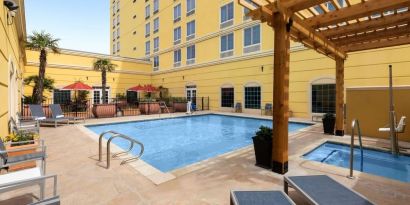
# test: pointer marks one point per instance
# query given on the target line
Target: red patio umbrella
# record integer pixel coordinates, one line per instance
(137, 88)
(77, 86)
(150, 89)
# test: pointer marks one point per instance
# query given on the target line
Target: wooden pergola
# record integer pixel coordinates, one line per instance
(333, 28)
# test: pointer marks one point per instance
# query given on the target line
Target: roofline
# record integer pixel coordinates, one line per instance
(100, 55)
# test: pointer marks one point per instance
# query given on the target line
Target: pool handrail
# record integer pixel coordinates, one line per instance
(118, 135)
(355, 124)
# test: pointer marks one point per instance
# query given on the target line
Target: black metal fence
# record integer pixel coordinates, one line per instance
(117, 107)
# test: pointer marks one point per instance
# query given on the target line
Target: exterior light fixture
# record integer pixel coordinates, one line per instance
(12, 6)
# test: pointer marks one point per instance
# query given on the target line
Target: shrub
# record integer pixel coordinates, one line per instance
(264, 133)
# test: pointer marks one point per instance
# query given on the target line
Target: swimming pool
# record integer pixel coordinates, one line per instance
(374, 161)
(176, 142)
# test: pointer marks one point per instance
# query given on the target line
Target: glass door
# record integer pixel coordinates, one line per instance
(191, 95)
(97, 95)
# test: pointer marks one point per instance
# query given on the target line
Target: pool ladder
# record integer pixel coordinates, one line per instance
(163, 105)
(355, 124)
(118, 135)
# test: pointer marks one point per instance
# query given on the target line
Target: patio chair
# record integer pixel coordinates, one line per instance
(27, 178)
(321, 189)
(265, 197)
(57, 113)
(268, 110)
(38, 114)
(238, 107)
(24, 126)
(39, 155)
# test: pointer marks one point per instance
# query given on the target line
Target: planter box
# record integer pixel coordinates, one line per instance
(104, 110)
(25, 165)
(149, 108)
(263, 153)
(179, 106)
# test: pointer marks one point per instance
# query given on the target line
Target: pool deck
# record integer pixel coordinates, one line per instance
(72, 155)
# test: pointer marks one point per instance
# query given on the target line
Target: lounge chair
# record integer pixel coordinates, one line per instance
(268, 110)
(57, 113)
(38, 114)
(238, 107)
(24, 126)
(39, 155)
(27, 178)
(266, 197)
(321, 189)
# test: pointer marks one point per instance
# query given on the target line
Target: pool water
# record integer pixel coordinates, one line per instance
(176, 142)
(374, 161)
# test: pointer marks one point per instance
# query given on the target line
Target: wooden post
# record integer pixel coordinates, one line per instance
(340, 96)
(280, 95)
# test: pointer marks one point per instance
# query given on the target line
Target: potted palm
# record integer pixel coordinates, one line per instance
(42, 42)
(104, 109)
(329, 120)
(262, 143)
(15, 138)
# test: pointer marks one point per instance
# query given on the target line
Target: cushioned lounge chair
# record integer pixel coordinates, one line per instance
(38, 114)
(24, 126)
(321, 189)
(39, 155)
(266, 197)
(57, 113)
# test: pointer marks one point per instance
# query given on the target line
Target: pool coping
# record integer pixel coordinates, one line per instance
(158, 177)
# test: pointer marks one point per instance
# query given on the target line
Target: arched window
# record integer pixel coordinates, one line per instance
(252, 96)
(323, 95)
(227, 96)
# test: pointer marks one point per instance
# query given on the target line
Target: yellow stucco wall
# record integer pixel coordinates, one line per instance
(371, 107)
(71, 66)
(11, 65)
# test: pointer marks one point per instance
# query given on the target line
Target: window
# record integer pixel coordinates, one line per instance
(177, 35)
(118, 33)
(227, 45)
(147, 48)
(118, 5)
(324, 98)
(177, 13)
(227, 15)
(118, 19)
(118, 46)
(61, 97)
(147, 11)
(147, 29)
(114, 48)
(253, 97)
(190, 7)
(156, 25)
(156, 63)
(190, 32)
(252, 39)
(156, 6)
(177, 58)
(156, 44)
(190, 50)
(114, 22)
(114, 35)
(246, 10)
(114, 8)
(227, 97)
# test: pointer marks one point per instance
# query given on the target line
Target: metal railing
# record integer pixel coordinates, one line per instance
(355, 124)
(118, 135)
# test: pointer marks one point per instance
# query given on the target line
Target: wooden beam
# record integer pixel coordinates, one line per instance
(375, 35)
(356, 11)
(280, 95)
(340, 96)
(297, 5)
(378, 44)
(373, 24)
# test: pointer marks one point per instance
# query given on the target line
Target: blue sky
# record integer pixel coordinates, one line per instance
(80, 24)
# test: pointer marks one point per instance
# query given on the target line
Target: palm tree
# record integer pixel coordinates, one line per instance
(42, 42)
(104, 65)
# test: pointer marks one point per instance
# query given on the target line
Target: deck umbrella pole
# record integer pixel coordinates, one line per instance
(339, 96)
(280, 94)
(393, 135)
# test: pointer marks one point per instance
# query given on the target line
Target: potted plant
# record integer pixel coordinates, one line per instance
(179, 104)
(262, 143)
(329, 120)
(104, 109)
(21, 136)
